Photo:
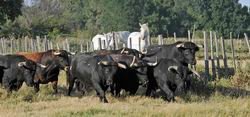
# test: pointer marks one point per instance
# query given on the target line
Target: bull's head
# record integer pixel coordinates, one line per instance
(28, 69)
(62, 58)
(188, 50)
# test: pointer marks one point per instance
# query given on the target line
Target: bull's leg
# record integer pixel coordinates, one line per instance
(169, 93)
(100, 92)
(187, 85)
(54, 86)
(71, 85)
(112, 89)
(117, 90)
(36, 87)
(149, 89)
(179, 88)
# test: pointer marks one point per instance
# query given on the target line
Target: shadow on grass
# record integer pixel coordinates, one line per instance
(201, 91)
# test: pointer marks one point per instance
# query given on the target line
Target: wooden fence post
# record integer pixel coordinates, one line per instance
(38, 43)
(232, 49)
(160, 40)
(140, 44)
(217, 55)
(175, 37)
(26, 44)
(2, 44)
(224, 56)
(31, 45)
(100, 43)
(206, 56)
(115, 41)
(11, 46)
(67, 45)
(189, 36)
(246, 38)
(87, 46)
(212, 57)
(51, 45)
(45, 43)
(193, 36)
(57, 46)
(81, 47)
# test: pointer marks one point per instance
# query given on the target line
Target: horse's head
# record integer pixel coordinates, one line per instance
(144, 31)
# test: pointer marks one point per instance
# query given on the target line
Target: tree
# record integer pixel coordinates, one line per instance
(9, 9)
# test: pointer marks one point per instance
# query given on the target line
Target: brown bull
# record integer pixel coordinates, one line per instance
(54, 60)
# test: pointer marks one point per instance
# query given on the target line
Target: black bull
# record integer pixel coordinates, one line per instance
(96, 71)
(169, 76)
(16, 69)
(181, 52)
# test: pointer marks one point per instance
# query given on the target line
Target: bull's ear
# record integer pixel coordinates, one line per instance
(199, 46)
(140, 24)
(173, 69)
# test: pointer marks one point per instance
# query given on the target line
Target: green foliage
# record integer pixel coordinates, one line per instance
(57, 17)
(9, 9)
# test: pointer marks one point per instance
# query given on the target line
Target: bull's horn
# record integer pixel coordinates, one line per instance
(122, 50)
(195, 72)
(172, 67)
(125, 52)
(132, 62)
(66, 68)
(180, 45)
(153, 64)
(200, 45)
(103, 62)
(122, 66)
(135, 65)
(56, 53)
(72, 53)
(41, 65)
(20, 64)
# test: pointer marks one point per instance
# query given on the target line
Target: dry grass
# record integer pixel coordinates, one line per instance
(129, 106)
(204, 100)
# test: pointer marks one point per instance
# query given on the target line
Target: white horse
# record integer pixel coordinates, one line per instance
(139, 40)
(107, 40)
(101, 41)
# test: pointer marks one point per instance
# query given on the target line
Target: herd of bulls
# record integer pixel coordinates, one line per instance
(163, 67)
